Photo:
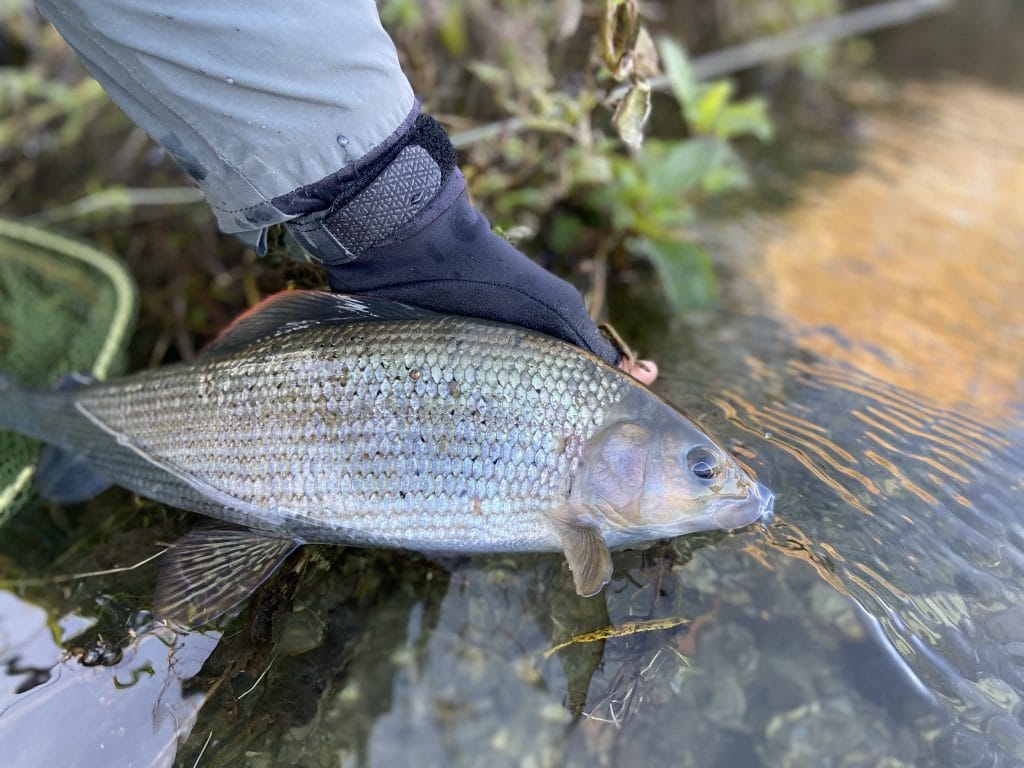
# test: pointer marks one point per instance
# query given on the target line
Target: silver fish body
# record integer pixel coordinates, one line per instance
(439, 433)
(449, 435)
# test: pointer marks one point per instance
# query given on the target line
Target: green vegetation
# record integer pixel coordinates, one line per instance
(648, 200)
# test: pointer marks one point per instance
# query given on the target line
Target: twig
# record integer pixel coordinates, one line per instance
(622, 630)
(756, 52)
(115, 198)
(842, 27)
(599, 279)
(203, 750)
(76, 576)
(258, 681)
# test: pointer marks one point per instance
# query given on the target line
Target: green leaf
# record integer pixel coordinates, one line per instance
(725, 178)
(397, 13)
(565, 233)
(683, 268)
(745, 118)
(452, 30)
(728, 171)
(711, 99)
(592, 168)
(677, 68)
(675, 169)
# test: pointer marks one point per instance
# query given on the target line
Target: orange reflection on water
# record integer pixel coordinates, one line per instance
(917, 257)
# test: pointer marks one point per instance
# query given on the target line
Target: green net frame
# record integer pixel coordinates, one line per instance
(64, 307)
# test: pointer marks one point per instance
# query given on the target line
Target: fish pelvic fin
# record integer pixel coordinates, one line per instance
(589, 559)
(209, 571)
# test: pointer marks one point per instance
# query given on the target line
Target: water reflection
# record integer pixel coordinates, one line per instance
(126, 708)
(910, 269)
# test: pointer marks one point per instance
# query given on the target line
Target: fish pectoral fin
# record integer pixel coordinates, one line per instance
(211, 570)
(589, 559)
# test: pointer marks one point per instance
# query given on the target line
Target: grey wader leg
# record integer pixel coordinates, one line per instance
(300, 113)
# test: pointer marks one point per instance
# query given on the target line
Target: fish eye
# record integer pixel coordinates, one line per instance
(703, 463)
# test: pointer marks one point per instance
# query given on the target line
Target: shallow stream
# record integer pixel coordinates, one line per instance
(866, 362)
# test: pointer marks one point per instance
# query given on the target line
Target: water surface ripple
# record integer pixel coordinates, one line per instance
(914, 512)
(865, 368)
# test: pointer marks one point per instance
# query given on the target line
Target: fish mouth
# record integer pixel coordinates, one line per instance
(736, 512)
(759, 503)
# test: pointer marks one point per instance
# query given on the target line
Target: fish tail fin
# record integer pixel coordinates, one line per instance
(62, 476)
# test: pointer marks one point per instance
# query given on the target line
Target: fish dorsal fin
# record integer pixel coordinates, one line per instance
(209, 571)
(290, 311)
(589, 559)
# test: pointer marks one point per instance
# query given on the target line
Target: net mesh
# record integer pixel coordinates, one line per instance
(64, 307)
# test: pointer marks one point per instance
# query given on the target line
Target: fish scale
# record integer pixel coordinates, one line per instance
(457, 434)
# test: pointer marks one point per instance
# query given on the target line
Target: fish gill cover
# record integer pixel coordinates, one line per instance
(64, 307)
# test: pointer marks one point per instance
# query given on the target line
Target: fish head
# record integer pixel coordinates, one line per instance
(653, 473)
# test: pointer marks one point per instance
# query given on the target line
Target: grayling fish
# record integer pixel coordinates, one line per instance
(319, 417)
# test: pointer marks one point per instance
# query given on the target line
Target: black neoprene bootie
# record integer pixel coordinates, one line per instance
(399, 225)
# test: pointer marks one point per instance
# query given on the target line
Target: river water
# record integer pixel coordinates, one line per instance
(866, 362)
